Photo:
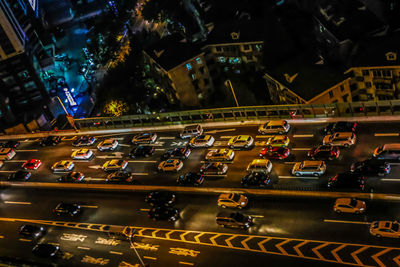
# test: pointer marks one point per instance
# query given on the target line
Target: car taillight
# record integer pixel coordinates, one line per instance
(148, 216)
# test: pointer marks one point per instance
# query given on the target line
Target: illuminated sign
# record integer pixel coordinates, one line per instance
(33, 4)
(70, 97)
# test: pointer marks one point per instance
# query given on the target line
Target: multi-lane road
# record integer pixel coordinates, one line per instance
(302, 136)
(287, 231)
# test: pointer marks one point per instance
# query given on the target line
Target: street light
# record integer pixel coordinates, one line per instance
(228, 82)
(133, 246)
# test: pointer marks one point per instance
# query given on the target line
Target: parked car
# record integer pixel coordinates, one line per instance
(387, 152)
(214, 168)
(170, 165)
(324, 152)
(177, 153)
(307, 167)
(258, 179)
(371, 167)
(271, 152)
(234, 220)
(144, 138)
(11, 144)
(142, 151)
(260, 165)
(202, 141)
(50, 141)
(160, 198)
(347, 180)
(340, 126)
(190, 178)
(349, 205)
(232, 200)
(164, 213)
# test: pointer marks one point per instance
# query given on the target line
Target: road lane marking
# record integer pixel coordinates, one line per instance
(94, 179)
(142, 161)
(291, 162)
(116, 252)
(215, 175)
(303, 135)
(166, 138)
(144, 209)
(150, 258)
(29, 141)
(18, 203)
(264, 136)
(125, 145)
(7, 171)
(301, 149)
(26, 150)
(257, 216)
(186, 263)
(298, 177)
(139, 173)
(95, 167)
(25, 240)
(84, 248)
(227, 136)
(15, 160)
(64, 138)
(343, 221)
(219, 131)
(386, 134)
(390, 180)
(160, 149)
(53, 243)
(89, 207)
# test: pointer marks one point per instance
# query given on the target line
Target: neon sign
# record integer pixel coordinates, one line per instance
(33, 4)
(70, 97)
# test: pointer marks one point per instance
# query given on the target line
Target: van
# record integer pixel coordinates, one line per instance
(234, 219)
(7, 153)
(387, 151)
(260, 165)
(191, 131)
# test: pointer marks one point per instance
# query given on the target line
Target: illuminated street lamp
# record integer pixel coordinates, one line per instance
(228, 82)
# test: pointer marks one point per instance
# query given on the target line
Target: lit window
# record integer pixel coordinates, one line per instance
(188, 66)
(193, 76)
(222, 59)
(199, 61)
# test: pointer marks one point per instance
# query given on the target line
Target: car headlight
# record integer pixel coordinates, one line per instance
(242, 203)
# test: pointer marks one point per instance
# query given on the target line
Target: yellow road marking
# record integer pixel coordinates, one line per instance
(212, 239)
(183, 235)
(196, 238)
(144, 209)
(153, 234)
(1, 236)
(355, 253)
(186, 263)
(375, 257)
(17, 202)
(244, 244)
(334, 253)
(340, 221)
(228, 241)
(297, 248)
(260, 244)
(149, 258)
(386, 134)
(167, 234)
(397, 260)
(303, 135)
(116, 252)
(316, 252)
(279, 246)
(25, 240)
(84, 248)
(89, 207)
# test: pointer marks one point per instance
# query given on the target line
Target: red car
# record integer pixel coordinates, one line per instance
(324, 152)
(32, 164)
(275, 152)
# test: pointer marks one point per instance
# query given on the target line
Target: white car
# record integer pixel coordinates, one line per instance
(108, 144)
(202, 141)
(274, 127)
(345, 139)
(63, 166)
(82, 153)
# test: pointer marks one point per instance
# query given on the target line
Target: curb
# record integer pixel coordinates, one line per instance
(203, 190)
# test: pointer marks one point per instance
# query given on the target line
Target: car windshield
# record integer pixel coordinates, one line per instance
(237, 216)
(395, 227)
(236, 197)
(353, 202)
(379, 150)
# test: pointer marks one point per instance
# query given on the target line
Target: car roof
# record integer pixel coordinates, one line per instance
(5, 150)
(279, 137)
(344, 200)
(242, 137)
(260, 161)
(312, 163)
(170, 161)
(343, 134)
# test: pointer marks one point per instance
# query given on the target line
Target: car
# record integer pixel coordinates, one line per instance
(387, 152)
(164, 213)
(308, 167)
(241, 141)
(385, 229)
(234, 220)
(160, 198)
(115, 165)
(345, 139)
(177, 153)
(191, 131)
(274, 127)
(7, 153)
(63, 166)
(30, 230)
(190, 178)
(32, 164)
(340, 126)
(256, 179)
(46, 250)
(144, 138)
(170, 165)
(67, 209)
(202, 141)
(85, 140)
(82, 153)
(220, 155)
(50, 141)
(142, 151)
(1, 164)
(371, 167)
(259, 165)
(214, 168)
(20, 175)
(271, 152)
(349, 205)
(347, 180)
(232, 200)
(120, 177)
(324, 152)
(11, 144)
(278, 141)
(72, 177)
(108, 144)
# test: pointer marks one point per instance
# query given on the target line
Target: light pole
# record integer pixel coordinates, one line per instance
(69, 117)
(137, 253)
(228, 82)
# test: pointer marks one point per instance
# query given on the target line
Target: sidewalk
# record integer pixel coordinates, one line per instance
(204, 124)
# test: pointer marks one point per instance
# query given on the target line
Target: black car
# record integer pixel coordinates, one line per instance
(120, 177)
(340, 126)
(72, 177)
(347, 180)
(257, 179)
(164, 213)
(160, 198)
(324, 152)
(67, 209)
(46, 250)
(50, 141)
(84, 141)
(371, 167)
(190, 178)
(234, 219)
(33, 231)
(177, 153)
(11, 144)
(20, 175)
(142, 151)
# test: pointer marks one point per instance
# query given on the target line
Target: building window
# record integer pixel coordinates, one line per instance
(219, 48)
(235, 60)
(222, 59)
(30, 86)
(345, 97)
(365, 72)
(199, 61)
(330, 94)
(341, 88)
(382, 73)
(188, 66)
(246, 47)
(368, 85)
(9, 80)
(193, 76)
(206, 82)
(24, 75)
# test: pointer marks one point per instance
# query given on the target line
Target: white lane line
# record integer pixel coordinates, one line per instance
(386, 134)
(301, 149)
(298, 177)
(227, 136)
(15, 160)
(94, 179)
(84, 248)
(166, 138)
(6, 171)
(89, 207)
(140, 173)
(160, 149)
(17, 202)
(26, 150)
(390, 180)
(115, 252)
(342, 221)
(142, 161)
(29, 141)
(302, 135)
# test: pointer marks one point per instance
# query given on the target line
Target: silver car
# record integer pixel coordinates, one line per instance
(309, 168)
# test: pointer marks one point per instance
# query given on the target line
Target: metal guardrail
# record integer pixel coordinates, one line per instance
(351, 109)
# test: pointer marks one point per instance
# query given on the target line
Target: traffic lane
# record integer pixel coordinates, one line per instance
(282, 217)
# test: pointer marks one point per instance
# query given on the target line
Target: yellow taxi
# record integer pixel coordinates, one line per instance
(170, 165)
(385, 229)
(63, 166)
(220, 155)
(241, 141)
(278, 141)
